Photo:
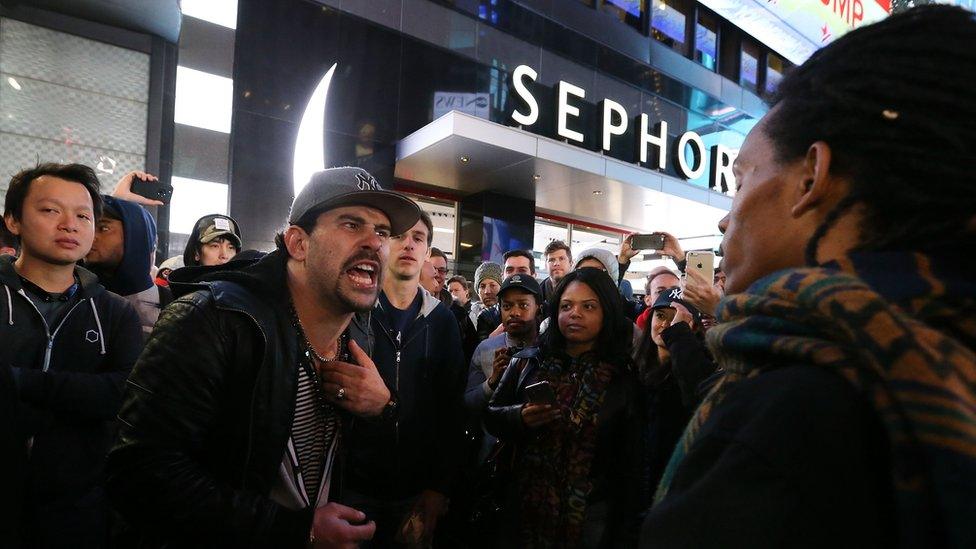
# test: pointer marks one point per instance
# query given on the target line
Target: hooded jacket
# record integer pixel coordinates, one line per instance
(69, 379)
(208, 412)
(131, 279)
(425, 369)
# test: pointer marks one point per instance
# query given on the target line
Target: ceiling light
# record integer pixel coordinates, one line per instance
(13, 83)
(464, 159)
(466, 245)
(598, 193)
(536, 177)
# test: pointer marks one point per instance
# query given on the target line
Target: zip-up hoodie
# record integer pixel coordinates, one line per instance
(131, 279)
(69, 380)
(422, 448)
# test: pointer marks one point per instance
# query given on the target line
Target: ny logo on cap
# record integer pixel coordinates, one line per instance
(516, 279)
(366, 182)
(675, 293)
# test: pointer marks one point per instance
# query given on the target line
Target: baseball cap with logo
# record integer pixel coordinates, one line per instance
(522, 281)
(675, 295)
(218, 226)
(349, 186)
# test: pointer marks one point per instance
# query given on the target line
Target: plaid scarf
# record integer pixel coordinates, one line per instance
(554, 466)
(900, 327)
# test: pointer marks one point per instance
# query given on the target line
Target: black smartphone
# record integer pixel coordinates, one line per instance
(653, 241)
(540, 393)
(153, 190)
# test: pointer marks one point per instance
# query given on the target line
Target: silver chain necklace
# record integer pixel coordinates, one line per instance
(308, 344)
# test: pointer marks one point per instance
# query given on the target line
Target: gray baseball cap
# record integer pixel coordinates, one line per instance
(349, 186)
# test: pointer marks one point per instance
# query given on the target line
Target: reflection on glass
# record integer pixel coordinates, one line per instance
(488, 11)
(749, 72)
(706, 40)
(587, 237)
(668, 20)
(775, 67)
(628, 11)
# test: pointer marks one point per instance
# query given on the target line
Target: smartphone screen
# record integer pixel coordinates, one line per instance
(653, 241)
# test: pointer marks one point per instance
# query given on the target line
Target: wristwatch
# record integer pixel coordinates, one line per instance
(391, 408)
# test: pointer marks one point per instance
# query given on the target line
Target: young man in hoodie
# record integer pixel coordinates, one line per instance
(122, 254)
(401, 474)
(69, 344)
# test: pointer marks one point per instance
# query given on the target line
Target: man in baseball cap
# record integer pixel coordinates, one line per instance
(239, 391)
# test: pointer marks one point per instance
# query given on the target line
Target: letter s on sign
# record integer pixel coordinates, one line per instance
(518, 82)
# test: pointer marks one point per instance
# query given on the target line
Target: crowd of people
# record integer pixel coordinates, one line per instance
(345, 390)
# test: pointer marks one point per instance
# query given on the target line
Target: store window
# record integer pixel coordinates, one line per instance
(588, 237)
(669, 21)
(749, 73)
(775, 68)
(631, 12)
(706, 40)
(64, 98)
(443, 215)
(729, 42)
(545, 232)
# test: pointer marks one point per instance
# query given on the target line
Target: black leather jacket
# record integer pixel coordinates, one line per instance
(207, 414)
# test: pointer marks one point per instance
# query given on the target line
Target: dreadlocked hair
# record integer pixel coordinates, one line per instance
(890, 99)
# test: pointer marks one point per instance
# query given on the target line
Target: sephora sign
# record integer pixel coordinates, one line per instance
(687, 152)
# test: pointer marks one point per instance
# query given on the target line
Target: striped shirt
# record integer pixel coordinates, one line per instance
(314, 427)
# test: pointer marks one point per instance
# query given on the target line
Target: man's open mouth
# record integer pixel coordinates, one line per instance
(363, 273)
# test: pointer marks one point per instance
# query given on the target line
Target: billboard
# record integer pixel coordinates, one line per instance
(797, 28)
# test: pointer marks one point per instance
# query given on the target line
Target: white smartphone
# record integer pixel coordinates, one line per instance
(702, 262)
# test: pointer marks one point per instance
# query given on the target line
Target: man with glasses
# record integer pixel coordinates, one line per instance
(433, 276)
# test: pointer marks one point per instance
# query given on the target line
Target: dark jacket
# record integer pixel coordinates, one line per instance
(670, 401)
(207, 415)
(421, 450)
(616, 467)
(742, 484)
(488, 320)
(69, 387)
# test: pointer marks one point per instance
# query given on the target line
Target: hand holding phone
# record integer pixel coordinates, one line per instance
(540, 393)
(143, 188)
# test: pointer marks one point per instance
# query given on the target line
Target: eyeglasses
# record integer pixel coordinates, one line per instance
(441, 270)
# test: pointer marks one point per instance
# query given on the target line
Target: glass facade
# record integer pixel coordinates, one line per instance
(706, 40)
(64, 98)
(775, 67)
(388, 85)
(631, 12)
(749, 66)
(669, 22)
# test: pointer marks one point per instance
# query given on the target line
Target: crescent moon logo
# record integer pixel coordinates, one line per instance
(310, 143)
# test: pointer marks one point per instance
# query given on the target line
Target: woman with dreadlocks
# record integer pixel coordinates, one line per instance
(847, 412)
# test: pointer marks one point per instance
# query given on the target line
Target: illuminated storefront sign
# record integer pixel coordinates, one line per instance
(797, 28)
(687, 152)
